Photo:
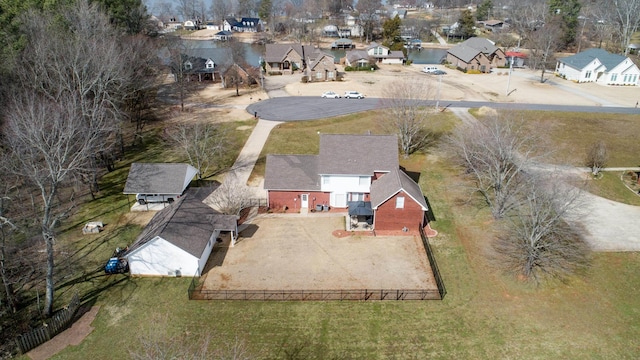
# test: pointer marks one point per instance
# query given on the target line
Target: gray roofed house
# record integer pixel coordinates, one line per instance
(292, 172)
(357, 154)
(159, 178)
(598, 65)
(476, 54)
(288, 58)
(179, 237)
(392, 183)
(356, 58)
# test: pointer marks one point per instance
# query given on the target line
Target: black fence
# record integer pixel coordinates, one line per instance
(312, 295)
(58, 323)
(432, 261)
(257, 202)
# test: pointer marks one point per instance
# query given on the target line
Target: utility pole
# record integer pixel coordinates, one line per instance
(509, 79)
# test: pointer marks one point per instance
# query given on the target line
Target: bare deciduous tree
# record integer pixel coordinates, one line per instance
(407, 113)
(51, 143)
(202, 143)
(538, 239)
(625, 15)
(231, 196)
(543, 42)
(494, 154)
(597, 157)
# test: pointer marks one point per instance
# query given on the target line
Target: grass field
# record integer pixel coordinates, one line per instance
(485, 314)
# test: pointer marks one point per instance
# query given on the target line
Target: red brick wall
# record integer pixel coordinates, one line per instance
(279, 199)
(387, 217)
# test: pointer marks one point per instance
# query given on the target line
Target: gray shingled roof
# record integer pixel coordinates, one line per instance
(392, 183)
(159, 178)
(278, 52)
(292, 172)
(188, 224)
(485, 45)
(357, 154)
(464, 53)
(355, 55)
(582, 59)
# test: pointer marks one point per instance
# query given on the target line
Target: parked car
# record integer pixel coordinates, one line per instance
(429, 69)
(143, 199)
(353, 95)
(330, 95)
(438, 72)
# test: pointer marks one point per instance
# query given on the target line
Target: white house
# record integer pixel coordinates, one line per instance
(600, 66)
(179, 239)
(383, 55)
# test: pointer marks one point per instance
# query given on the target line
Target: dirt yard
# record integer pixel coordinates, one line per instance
(285, 252)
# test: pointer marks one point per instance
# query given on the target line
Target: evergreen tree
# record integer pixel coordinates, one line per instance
(566, 11)
(484, 10)
(466, 25)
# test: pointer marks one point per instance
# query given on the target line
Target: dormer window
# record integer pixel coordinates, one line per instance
(210, 64)
(188, 65)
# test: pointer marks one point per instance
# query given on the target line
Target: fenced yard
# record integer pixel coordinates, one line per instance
(297, 258)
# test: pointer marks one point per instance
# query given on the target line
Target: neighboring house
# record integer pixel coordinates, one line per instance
(598, 65)
(287, 58)
(476, 54)
(190, 25)
(350, 171)
(242, 25)
(178, 240)
(357, 58)
(383, 55)
(246, 77)
(210, 25)
(201, 64)
(166, 181)
(515, 58)
(223, 35)
(493, 25)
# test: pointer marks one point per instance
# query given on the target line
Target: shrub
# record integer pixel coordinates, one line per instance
(275, 72)
(305, 79)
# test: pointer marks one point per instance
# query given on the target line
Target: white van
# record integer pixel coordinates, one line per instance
(143, 199)
(429, 69)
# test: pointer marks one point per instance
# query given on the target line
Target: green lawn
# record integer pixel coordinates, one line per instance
(484, 315)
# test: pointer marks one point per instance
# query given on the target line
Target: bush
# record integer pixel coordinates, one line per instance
(275, 72)
(305, 79)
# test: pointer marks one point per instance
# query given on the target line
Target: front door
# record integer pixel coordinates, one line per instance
(304, 200)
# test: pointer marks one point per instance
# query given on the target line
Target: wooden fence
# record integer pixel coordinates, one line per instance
(58, 323)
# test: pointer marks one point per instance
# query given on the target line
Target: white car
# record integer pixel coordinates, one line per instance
(330, 95)
(353, 95)
(429, 69)
(143, 199)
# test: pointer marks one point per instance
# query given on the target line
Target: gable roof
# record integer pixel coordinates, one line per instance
(248, 22)
(188, 224)
(390, 184)
(465, 53)
(292, 172)
(159, 178)
(278, 52)
(582, 59)
(355, 55)
(484, 45)
(357, 154)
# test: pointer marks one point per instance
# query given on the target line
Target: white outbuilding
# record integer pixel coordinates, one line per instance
(178, 240)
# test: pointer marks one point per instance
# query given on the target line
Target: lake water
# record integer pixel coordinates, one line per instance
(254, 52)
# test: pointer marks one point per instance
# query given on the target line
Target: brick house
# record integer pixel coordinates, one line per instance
(476, 54)
(286, 59)
(359, 174)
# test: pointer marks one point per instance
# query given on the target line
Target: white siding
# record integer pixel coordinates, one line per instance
(626, 70)
(392, 61)
(207, 251)
(159, 257)
(341, 185)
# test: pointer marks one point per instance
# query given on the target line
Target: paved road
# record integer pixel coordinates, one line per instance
(297, 108)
